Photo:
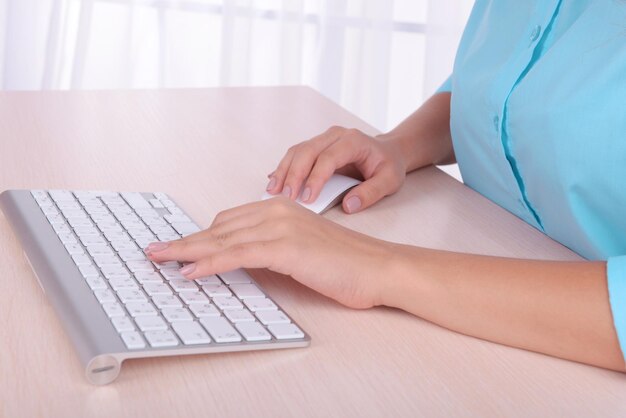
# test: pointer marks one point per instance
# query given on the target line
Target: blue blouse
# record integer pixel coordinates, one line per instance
(538, 121)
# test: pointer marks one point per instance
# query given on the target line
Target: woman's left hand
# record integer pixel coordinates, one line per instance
(280, 235)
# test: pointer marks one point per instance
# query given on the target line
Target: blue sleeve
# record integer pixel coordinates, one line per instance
(616, 281)
(446, 86)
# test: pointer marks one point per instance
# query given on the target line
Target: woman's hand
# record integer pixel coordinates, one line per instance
(280, 235)
(308, 165)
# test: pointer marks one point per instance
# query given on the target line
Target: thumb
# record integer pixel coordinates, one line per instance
(369, 192)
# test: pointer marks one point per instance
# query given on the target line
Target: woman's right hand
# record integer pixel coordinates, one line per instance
(308, 165)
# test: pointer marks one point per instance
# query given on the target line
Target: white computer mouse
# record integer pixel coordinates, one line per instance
(332, 193)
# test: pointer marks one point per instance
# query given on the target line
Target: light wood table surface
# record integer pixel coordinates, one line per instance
(211, 150)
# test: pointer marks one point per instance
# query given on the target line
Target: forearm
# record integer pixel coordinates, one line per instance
(557, 308)
(424, 137)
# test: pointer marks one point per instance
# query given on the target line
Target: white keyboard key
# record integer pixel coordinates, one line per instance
(220, 329)
(61, 228)
(272, 317)
(88, 271)
(103, 218)
(56, 220)
(133, 340)
(96, 282)
(235, 276)
(191, 298)
(136, 309)
(156, 204)
(191, 332)
(115, 236)
(253, 331)
(81, 260)
(177, 219)
(238, 315)
(172, 274)
(246, 291)
(227, 302)
(183, 285)
(208, 280)
(176, 314)
(185, 228)
(50, 211)
(127, 255)
(140, 233)
(168, 265)
(68, 238)
(104, 296)
(164, 338)
(159, 195)
(113, 309)
(122, 323)
(258, 304)
(153, 289)
(131, 295)
(154, 221)
(285, 331)
(96, 250)
(216, 290)
(75, 223)
(136, 266)
(92, 239)
(124, 245)
(82, 231)
(175, 210)
(62, 195)
(74, 249)
(107, 260)
(205, 309)
(113, 275)
(168, 237)
(146, 212)
(164, 229)
(42, 195)
(166, 301)
(150, 323)
(144, 242)
(168, 203)
(113, 270)
(119, 283)
(144, 277)
(136, 200)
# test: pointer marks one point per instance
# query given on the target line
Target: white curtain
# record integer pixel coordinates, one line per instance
(378, 58)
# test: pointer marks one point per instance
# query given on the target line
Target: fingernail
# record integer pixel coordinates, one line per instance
(271, 184)
(287, 191)
(306, 194)
(157, 246)
(353, 204)
(188, 269)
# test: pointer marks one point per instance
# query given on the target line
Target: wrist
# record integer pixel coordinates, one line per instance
(399, 146)
(410, 282)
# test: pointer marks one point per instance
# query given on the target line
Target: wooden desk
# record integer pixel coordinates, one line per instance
(211, 150)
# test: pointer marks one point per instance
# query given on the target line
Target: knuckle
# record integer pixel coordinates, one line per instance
(352, 132)
(335, 130)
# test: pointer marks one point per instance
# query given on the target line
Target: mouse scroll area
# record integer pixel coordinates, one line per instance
(331, 194)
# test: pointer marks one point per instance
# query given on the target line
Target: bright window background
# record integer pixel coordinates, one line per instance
(378, 58)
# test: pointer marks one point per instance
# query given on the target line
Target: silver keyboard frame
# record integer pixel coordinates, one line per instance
(99, 347)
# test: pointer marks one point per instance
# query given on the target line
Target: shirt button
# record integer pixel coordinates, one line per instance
(534, 35)
(496, 123)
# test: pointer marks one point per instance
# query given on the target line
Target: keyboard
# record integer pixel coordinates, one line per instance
(86, 249)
